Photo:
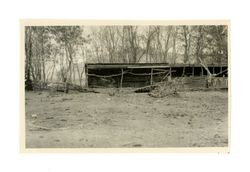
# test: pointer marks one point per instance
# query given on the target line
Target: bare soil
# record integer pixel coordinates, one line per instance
(125, 119)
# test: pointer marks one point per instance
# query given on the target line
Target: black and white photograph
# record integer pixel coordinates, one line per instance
(126, 85)
(155, 85)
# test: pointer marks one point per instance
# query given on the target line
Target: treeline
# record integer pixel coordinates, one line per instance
(59, 52)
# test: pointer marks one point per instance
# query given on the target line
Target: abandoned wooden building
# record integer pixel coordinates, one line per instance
(142, 74)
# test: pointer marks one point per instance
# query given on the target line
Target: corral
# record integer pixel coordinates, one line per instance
(143, 74)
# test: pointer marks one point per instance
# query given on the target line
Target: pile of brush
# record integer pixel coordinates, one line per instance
(163, 89)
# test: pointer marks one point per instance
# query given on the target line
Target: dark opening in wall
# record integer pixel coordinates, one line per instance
(188, 71)
(197, 71)
(211, 70)
(204, 71)
(177, 71)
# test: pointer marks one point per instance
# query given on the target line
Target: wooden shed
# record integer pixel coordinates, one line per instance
(143, 74)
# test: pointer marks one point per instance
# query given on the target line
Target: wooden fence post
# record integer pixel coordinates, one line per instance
(170, 73)
(121, 79)
(87, 77)
(151, 76)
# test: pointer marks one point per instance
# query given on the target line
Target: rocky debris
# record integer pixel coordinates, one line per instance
(34, 115)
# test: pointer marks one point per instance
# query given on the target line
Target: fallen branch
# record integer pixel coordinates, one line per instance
(221, 72)
(40, 127)
(165, 76)
(146, 88)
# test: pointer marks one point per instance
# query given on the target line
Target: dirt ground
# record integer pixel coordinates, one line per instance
(84, 120)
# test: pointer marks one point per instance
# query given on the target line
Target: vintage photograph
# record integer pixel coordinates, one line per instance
(125, 85)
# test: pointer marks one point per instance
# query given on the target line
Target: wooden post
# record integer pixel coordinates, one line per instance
(213, 70)
(192, 71)
(66, 87)
(74, 76)
(201, 71)
(121, 79)
(86, 78)
(151, 77)
(170, 73)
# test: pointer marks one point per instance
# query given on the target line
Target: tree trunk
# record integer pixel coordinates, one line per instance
(28, 53)
(174, 50)
(198, 44)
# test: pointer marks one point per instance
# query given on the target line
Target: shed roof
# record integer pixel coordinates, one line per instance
(144, 65)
